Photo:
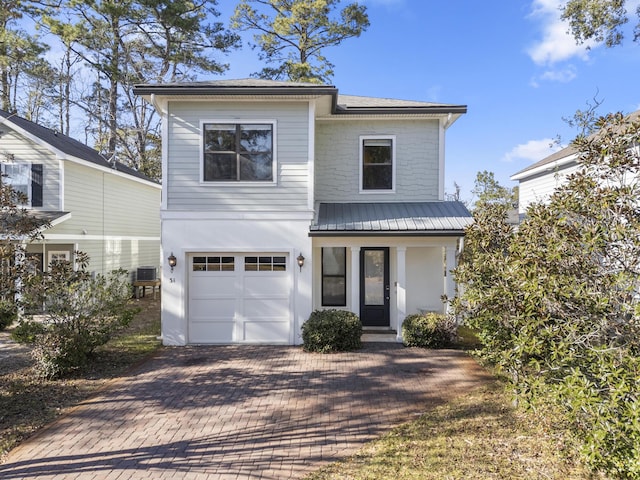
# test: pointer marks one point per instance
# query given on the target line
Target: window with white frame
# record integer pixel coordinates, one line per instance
(377, 163)
(55, 256)
(18, 175)
(25, 178)
(238, 152)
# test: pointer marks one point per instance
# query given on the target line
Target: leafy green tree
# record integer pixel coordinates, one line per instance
(487, 190)
(292, 34)
(82, 312)
(599, 20)
(557, 301)
(20, 52)
(17, 228)
(136, 41)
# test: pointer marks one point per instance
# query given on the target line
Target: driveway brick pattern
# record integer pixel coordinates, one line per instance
(242, 412)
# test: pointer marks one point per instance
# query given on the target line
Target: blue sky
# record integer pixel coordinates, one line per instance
(510, 62)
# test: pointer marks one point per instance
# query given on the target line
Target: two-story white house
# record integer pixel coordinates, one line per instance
(91, 204)
(280, 198)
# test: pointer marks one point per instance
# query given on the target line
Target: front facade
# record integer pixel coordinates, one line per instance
(281, 198)
(101, 208)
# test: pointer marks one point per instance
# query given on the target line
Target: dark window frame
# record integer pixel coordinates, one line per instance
(343, 275)
(239, 159)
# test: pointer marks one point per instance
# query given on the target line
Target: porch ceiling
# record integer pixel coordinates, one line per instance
(436, 218)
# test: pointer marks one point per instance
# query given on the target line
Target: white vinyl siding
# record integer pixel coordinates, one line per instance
(539, 188)
(337, 165)
(288, 191)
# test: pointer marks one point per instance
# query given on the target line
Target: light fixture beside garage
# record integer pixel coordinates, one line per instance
(300, 261)
(173, 261)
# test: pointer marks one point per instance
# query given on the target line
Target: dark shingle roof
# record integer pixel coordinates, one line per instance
(68, 145)
(342, 104)
(406, 218)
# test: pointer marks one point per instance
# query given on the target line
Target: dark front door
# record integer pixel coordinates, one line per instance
(374, 287)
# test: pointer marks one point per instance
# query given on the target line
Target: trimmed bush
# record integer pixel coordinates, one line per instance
(332, 330)
(429, 330)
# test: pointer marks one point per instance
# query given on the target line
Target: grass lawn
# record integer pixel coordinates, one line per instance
(27, 403)
(478, 436)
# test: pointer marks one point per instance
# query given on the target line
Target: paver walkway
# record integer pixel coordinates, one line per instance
(242, 412)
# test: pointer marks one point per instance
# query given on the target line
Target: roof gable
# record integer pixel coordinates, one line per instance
(59, 142)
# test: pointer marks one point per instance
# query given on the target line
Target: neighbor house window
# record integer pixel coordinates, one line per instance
(377, 163)
(24, 178)
(238, 152)
(334, 276)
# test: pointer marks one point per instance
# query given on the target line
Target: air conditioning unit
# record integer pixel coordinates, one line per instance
(147, 273)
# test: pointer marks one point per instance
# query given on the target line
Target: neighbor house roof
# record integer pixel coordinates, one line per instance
(565, 156)
(67, 145)
(341, 104)
(435, 218)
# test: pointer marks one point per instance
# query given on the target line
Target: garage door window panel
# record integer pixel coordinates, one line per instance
(265, 264)
(213, 264)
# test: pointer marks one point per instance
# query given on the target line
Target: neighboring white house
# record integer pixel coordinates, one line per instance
(280, 198)
(538, 181)
(102, 208)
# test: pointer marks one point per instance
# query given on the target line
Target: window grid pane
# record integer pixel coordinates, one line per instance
(265, 264)
(334, 278)
(377, 164)
(213, 264)
(238, 152)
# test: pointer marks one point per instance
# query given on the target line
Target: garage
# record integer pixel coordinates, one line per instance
(239, 298)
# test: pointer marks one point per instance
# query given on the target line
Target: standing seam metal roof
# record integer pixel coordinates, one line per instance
(434, 218)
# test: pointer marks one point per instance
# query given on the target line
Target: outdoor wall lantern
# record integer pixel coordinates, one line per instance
(173, 261)
(300, 261)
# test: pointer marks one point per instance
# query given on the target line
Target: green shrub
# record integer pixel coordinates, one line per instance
(332, 331)
(27, 331)
(429, 330)
(82, 313)
(8, 313)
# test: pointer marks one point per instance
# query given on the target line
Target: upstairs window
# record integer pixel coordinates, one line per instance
(377, 163)
(24, 178)
(236, 152)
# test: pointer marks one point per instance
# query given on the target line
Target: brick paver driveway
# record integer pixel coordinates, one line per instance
(242, 412)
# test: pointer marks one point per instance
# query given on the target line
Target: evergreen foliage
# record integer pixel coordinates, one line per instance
(80, 313)
(429, 330)
(332, 330)
(556, 302)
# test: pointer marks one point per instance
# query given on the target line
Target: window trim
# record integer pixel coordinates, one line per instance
(241, 121)
(361, 188)
(322, 277)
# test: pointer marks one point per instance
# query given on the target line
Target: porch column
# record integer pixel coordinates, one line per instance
(449, 284)
(401, 292)
(355, 280)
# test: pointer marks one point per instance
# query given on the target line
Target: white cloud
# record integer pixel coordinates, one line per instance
(533, 150)
(564, 75)
(556, 44)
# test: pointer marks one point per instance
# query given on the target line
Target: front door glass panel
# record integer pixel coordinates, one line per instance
(374, 277)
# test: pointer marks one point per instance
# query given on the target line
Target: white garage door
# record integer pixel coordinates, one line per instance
(239, 298)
